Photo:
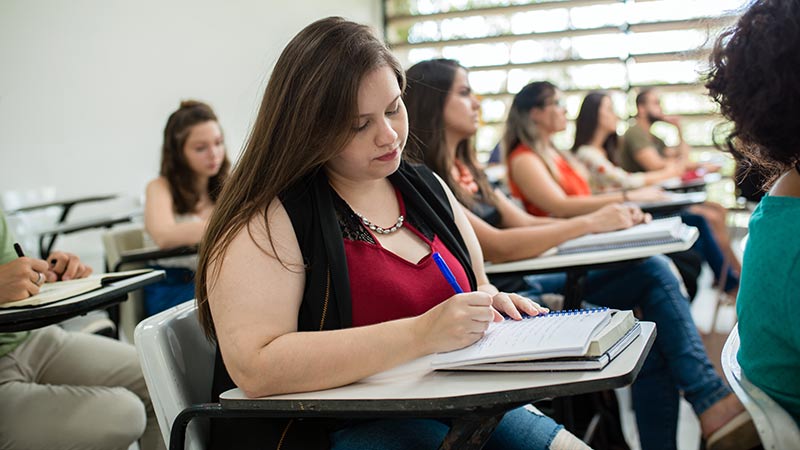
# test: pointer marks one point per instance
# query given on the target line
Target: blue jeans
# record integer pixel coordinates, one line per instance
(519, 429)
(176, 288)
(677, 362)
(707, 246)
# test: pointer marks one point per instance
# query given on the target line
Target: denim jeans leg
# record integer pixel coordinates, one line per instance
(519, 429)
(652, 286)
(656, 402)
(390, 434)
(678, 340)
(522, 429)
(708, 246)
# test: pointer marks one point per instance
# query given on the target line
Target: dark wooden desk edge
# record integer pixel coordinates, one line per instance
(456, 406)
(26, 319)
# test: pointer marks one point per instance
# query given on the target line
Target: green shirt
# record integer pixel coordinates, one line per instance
(634, 140)
(769, 302)
(8, 341)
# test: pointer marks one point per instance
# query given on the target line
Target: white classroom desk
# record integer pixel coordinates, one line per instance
(475, 401)
(577, 265)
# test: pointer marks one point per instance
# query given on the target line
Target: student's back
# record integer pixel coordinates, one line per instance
(763, 100)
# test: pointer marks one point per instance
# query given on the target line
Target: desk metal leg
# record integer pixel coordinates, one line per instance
(573, 290)
(471, 432)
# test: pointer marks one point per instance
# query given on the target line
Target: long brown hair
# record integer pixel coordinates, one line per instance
(307, 116)
(429, 85)
(520, 129)
(174, 167)
(587, 122)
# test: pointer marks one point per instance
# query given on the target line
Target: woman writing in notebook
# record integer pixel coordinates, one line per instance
(763, 100)
(596, 140)
(179, 202)
(443, 120)
(317, 268)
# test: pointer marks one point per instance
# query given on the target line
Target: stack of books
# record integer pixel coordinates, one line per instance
(585, 339)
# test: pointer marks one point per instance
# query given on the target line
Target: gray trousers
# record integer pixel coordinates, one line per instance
(61, 390)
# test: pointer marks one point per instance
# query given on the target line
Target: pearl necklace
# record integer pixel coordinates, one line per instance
(380, 230)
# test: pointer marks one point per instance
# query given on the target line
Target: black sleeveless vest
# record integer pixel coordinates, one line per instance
(326, 299)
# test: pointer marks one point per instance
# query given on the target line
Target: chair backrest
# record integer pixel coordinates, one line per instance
(776, 428)
(115, 242)
(178, 364)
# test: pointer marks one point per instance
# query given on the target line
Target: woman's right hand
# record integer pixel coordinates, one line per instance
(21, 278)
(456, 322)
(647, 194)
(616, 216)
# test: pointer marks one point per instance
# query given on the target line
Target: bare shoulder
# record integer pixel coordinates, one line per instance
(788, 185)
(271, 235)
(157, 185)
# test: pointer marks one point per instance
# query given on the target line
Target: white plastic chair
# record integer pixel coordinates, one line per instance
(116, 242)
(178, 364)
(776, 428)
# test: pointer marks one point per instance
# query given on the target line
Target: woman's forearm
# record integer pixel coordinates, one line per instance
(311, 361)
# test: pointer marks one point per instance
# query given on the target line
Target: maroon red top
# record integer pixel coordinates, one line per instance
(384, 286)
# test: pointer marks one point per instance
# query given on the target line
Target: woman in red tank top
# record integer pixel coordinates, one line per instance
(547, 181)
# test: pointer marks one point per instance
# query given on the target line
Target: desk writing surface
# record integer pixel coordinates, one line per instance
(64, 202)
(95, 222)
(39, 316)
(592, 257)
(420, 390)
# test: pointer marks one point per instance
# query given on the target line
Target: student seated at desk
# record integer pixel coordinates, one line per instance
(443, 116)
(178, 203)
(596, 140)
(763, 101)
(643, 151)
(62, 389)
(317, 268)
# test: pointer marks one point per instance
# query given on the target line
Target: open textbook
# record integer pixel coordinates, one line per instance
(61, 290)
(558, 334)
(660, 231)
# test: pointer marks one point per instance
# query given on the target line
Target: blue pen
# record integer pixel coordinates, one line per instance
(448, 275)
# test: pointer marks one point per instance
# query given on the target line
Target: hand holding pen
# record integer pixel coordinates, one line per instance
(511, 304)
(21, 277)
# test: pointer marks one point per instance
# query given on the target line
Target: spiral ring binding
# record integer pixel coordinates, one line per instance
(569, 312)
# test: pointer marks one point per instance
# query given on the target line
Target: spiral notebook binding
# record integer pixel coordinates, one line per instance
(569, 312)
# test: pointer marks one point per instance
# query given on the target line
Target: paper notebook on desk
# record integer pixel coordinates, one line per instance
(675, 199)
(558, 334)
(661, 231)
(606, 345)
(62, 290)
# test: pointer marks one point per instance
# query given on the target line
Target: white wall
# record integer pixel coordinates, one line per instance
(86, 86)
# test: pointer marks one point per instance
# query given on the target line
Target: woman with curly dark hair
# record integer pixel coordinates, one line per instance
(754, 78)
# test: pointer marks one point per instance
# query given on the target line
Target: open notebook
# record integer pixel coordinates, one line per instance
(606, 345)
(62, 290)
(660, 231)
(558, 334)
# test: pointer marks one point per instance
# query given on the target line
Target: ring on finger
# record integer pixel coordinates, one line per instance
(39, 279)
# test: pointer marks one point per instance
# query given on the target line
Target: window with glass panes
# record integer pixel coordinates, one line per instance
(580, 45)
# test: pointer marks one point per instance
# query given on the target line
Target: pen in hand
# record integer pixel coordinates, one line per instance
(448, 274)
(18, 249)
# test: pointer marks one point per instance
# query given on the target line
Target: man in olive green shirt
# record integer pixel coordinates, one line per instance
(61, 389)
(642, 151)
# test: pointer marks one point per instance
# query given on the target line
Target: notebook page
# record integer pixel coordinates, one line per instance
(549, 336)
